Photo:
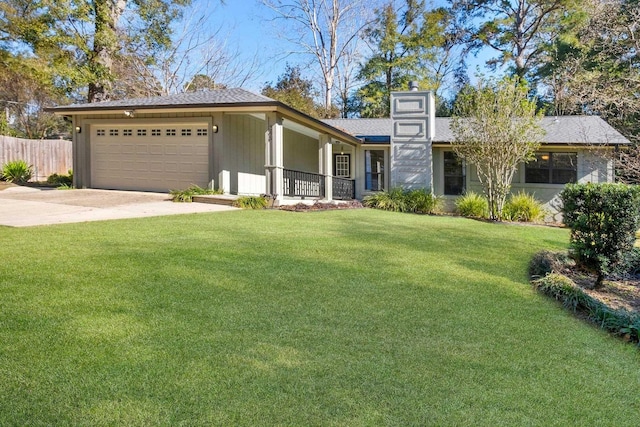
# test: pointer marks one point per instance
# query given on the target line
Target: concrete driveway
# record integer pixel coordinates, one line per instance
(27, 206)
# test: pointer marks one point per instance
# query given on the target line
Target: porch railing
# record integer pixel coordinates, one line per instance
(344, 189)
(302, 184)
(306, 184)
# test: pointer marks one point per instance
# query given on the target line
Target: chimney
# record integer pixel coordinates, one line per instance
(412, 133)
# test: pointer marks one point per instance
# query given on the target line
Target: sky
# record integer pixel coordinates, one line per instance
(251, 31)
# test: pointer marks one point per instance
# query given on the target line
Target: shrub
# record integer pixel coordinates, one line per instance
(472, 205)
(399, 200)
(17, 171)
(251, 202)
(546, 262)
(603, 219)
(421, 201)
(630, 266)
(65, 181)
(193, 190)
(523, 207)
(392, 200)
(562, 289)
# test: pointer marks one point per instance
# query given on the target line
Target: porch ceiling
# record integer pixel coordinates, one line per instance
(297, 127)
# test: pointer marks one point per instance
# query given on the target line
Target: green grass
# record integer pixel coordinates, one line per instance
(353, 317)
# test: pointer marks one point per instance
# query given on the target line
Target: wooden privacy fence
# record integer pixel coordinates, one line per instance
(46, 156)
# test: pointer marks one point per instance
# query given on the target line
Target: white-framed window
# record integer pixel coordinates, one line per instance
(156, 132)
(342, 165)
(142, 132)
(186, 132)
(127, 132)
(100, 132)
(202, 132)
(170, 132)
(374, 170)
(113, 132)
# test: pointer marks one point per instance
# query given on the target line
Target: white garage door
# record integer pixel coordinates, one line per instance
(149, 158)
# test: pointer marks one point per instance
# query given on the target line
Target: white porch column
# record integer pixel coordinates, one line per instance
(274, 156)
(326, 165)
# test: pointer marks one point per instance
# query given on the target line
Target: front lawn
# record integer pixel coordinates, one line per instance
(354, 317)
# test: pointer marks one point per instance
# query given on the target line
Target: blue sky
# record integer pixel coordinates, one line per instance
(251, 30)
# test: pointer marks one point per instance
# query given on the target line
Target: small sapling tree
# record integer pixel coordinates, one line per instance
(495, 128)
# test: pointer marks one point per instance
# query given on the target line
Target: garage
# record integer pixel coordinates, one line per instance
(149, 157)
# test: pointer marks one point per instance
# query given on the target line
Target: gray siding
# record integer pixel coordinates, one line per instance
(244, 150)
(592, 166)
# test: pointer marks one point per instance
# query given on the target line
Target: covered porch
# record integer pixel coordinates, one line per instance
(286, 159)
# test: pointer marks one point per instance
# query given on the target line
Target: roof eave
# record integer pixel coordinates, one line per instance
(142, 108)
(248, 107)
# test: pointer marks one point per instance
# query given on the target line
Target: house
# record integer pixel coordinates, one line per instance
(249, 144)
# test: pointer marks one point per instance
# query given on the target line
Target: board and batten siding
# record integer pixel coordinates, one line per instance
(46, 156)
(243, 154)
(300, 152)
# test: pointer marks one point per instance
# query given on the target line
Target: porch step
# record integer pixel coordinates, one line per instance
(217, 199)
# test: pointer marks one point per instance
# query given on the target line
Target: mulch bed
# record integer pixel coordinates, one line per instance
(615, 292)
(319, 206)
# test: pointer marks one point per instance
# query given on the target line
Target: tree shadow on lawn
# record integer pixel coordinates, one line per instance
(265, 327)
(487, 248)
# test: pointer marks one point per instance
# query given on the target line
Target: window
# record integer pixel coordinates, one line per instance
(113, 132)
(156, 132)
(552, 168)
(170, 132)
(127, 132)
(186, 132)
(341, 163)
(100, 132)
(374, 170)
(454, 181)
(142, 132)
(202, 132)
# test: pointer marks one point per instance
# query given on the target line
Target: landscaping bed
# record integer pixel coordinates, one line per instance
(613, 306)
(320, 206)
(617, 294)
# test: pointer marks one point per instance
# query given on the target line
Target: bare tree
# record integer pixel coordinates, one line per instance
(347, 78)
(496, 128)
(196, 50)
(324, 29)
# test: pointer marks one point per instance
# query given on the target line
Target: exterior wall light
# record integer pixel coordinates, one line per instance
(78, 129)
(129, 113)
(214, 128)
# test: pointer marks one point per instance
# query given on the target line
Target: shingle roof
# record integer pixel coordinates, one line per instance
(210, 98)
(559, 130)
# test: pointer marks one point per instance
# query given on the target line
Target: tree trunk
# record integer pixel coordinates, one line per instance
(105, 45)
